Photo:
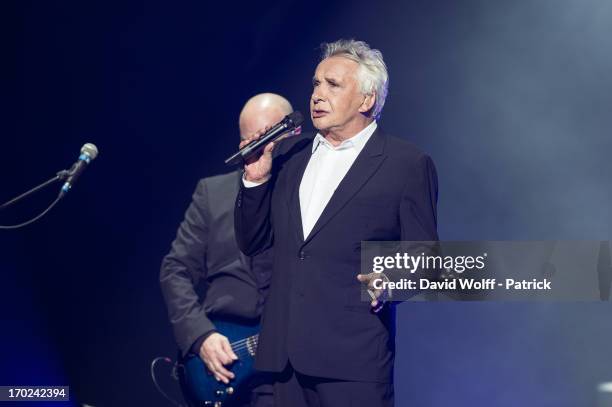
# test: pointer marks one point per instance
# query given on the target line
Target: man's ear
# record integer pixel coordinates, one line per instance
(368, 103)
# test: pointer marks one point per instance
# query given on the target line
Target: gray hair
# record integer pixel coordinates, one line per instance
(372, 74)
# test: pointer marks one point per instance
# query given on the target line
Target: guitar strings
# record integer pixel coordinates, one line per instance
(244, 342)
(239, 342)
(254, 337)
(243, 353)
(238, 345)
(243, 347)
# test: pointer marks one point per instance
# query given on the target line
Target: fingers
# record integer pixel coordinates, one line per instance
(228, 350)
(377, 306)
(220, 372)
(263, 131)
(378, 295)
(215, 365)
(368, 279)
(222, 356)
(295, 132)
(253, 137)
(215, 356)
(364, 278)
(269, 147)
(284, 136)
(248, 139)
(267, 151)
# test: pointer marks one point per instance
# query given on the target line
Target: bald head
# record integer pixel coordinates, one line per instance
(261, 111)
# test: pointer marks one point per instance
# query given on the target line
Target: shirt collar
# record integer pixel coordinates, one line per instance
(357, 142)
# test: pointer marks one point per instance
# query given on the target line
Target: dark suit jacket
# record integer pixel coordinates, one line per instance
(314, 315)
(205, 274)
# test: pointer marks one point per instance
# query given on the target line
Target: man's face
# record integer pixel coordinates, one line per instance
(336, 96)
(257, 119)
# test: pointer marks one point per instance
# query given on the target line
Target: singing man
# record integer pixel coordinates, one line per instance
(314, 201)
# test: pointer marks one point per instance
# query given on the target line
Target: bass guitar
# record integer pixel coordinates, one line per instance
(200, 388)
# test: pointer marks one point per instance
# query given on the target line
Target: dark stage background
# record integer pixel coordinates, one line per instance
(512, 99)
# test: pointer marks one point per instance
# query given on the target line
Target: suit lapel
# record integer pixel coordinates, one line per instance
(366, 164)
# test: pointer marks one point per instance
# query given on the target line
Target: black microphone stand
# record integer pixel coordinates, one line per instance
(60, 176)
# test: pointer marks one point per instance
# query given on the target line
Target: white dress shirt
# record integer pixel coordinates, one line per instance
(326, 168)
(328, 165)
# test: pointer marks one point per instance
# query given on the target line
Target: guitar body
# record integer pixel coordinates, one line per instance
(200, 388)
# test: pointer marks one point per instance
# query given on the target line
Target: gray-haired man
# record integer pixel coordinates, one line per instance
(315, 202)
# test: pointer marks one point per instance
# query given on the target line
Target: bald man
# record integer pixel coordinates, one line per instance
(205, 253)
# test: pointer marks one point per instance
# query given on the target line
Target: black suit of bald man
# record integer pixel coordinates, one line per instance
(205, 275)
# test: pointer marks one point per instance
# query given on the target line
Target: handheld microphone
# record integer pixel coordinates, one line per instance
(89, 152)
(290, 122)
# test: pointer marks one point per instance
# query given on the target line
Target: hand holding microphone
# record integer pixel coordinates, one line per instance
(258, 168)
(256, 151)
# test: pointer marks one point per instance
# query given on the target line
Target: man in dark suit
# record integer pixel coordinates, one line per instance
(205, 252)
(314, 201)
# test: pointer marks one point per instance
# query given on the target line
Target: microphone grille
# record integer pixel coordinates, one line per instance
(90, 149)
(296, 118)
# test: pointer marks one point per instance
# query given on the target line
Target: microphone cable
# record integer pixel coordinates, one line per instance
(34, 219)
(60, 176)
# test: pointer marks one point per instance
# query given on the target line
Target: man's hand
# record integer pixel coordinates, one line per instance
(379, 296)
(258, 168)
(216, 352)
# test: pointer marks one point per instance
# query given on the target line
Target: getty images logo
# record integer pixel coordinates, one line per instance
(412, 264)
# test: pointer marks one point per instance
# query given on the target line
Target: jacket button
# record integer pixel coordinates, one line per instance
(302, 255)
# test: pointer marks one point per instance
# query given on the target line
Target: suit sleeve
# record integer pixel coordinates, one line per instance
(181, 270)
(418, 207)
(252, 218)
(418, 217)
(252, 213)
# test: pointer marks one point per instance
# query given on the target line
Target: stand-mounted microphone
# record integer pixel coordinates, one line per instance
(89, 152)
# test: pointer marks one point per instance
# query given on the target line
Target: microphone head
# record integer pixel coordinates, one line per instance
(90, 149)
(295, 119)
